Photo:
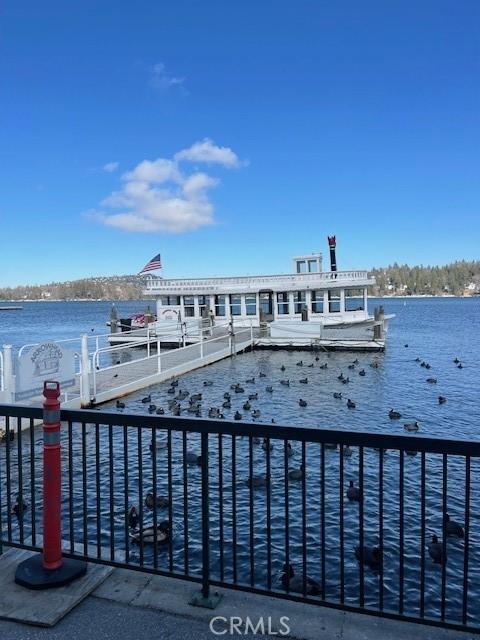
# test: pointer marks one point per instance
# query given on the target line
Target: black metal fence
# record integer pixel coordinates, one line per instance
(335, 518)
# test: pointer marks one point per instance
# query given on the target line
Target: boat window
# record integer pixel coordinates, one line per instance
(189, 306)
(301, 266)
(220, 305)
(203, 303)
(170, 301)
(299, 299)
(354, 300)
(235, 305)
(282, 300)
(334, 301)
(251, 304)
(312, 266)
(317, 301)
(266, 303)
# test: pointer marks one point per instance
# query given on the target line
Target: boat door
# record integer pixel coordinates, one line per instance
(266, 305)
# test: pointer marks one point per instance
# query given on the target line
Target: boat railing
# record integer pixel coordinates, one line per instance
(260, 508)
(299, 279)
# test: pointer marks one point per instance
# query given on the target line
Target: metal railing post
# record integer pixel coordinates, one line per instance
(204, 598)
(159, 360)
(148, 341)
(8, 385)
(84, 372)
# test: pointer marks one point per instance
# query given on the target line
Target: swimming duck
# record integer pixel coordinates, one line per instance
(262, 375)
(345, 380)
(152, 408)
(269, 389)
(182, 395)
(250, 381)
(453, 528)
(226, 395)
(324, 366)
(192, 457)
(410, 453)
(311, 365)
(361, 372)
(353, 492)
(371, 557)
(132, 518)
(195, 397)
(207, 383)
(303, 380)
(247, 406)
(120, 405)
(432, 380)
(253, 396)
(160, 411)
(176, 410)
(428, 366)
(266, 445)
(256, 481)
(417, 360)
(340, 377)
(227, 404)
(256, 413)
(351, 366)
(171, 390)
(300, 363)
(292, 581)
(237, 416)
(456, 361)
(394, 415)
(374, 365)
(351, 404)
(213, 412)
(441, 399)
(153, 535)
(19, 507)
(302, 403)
(347, 451)
(174, 383)
(296, 474)
(161, 501)
(282, 368)
(290, 450)
(286, 383)
(337, 395)
(435, 550)
(239, 389)
(147, 399)
(459, 365)
(411, 426)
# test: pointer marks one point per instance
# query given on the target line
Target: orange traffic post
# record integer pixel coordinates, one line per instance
(50, 569)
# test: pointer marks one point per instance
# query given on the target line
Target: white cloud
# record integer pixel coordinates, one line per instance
(162, 80)
(158, 196)
(110, 167)
(207, 151)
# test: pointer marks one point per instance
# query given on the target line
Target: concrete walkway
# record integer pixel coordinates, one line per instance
(136, 606)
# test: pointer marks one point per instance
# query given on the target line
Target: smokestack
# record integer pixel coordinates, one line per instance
(332, 243)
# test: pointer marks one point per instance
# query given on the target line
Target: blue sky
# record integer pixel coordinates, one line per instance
(265, 125)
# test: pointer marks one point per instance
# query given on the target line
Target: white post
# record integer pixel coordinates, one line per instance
(251, 332)
(148, 341)
(201, 343)
(159, 368)
(8, 384)
(84, 373)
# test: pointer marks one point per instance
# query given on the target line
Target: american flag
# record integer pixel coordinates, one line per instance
(153, 264)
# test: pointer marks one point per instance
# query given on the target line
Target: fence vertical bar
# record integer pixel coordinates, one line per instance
(204, 598)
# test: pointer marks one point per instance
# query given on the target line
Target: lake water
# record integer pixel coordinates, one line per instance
(435, 330)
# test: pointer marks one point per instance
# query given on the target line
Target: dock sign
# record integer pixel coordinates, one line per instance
(42, 362)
